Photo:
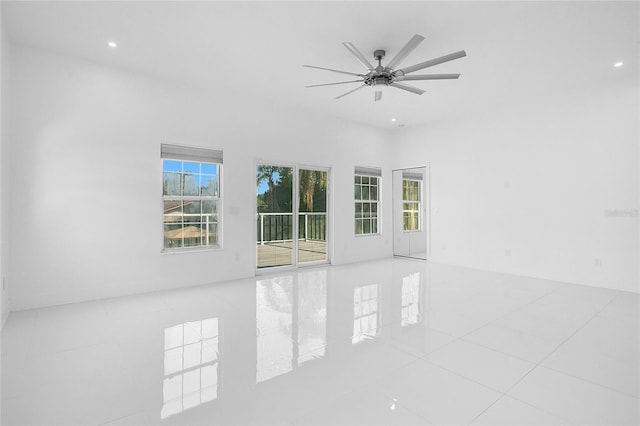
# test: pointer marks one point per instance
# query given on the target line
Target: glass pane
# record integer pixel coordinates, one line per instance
(172, 211)
(211, 236)
(191, 184)
(192, 235)
(374, 226)
(190, 167)
(365, 193)
(172, 235)
(274, 215)
(367, 226)
(208, 185)
(171, 184)
(208, 169)
(209, 208)
(358, 209)
(359, 226)
(312, 217)
(171, 166)
(192, 212)
(365, 179)
(410, 190)
(358, 180)
(358, 192)
(374, 193)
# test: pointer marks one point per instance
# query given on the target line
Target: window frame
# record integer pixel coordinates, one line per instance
(376, 174)
(187, 154)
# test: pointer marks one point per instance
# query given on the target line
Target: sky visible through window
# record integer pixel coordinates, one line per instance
(263, 186)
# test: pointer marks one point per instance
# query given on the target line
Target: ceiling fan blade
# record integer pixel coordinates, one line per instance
(431, 62)
(329, 69)
(351, 91)
(358, 55)
(408, 48)
(408, 88)
(378, 96)
(428, 77)
(333, 84)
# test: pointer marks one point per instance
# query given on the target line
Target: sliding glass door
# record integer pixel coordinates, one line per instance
(312, 215)
(291, 233)
(274, 216)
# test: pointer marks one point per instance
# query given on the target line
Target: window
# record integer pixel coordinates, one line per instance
(367, 198)
(411, 204)
(191, 196)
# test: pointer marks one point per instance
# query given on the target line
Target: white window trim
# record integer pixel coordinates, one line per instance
(369, 172)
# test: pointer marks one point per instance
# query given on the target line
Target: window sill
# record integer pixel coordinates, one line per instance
(190, 250)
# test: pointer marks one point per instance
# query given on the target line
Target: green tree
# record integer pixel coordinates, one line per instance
(270, 175)
(277, 197)
(313, 190)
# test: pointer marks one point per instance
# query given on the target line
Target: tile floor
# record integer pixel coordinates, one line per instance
(390, 342)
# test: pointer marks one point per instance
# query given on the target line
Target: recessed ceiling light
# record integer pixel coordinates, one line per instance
(618, 64)
(393, 119)
(112, 44)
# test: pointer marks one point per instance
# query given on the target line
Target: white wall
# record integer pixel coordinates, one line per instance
(538, 181)
(86, 211)
(546, 188)
(4, 194)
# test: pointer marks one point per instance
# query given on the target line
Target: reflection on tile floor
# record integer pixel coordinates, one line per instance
(389, 342)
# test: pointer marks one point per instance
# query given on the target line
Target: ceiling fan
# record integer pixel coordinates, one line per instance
(381, 77)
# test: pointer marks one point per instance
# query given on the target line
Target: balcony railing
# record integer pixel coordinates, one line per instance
(278, 227)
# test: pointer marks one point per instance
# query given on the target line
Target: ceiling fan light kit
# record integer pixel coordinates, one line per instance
(381, 77)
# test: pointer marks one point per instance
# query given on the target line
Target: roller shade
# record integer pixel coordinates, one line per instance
(368, 171)
(189, 153)
(412, 176)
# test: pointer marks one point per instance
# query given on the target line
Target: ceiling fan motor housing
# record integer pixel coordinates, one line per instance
(374, 79)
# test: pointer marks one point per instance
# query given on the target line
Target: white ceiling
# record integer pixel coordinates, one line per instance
(516, 50)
